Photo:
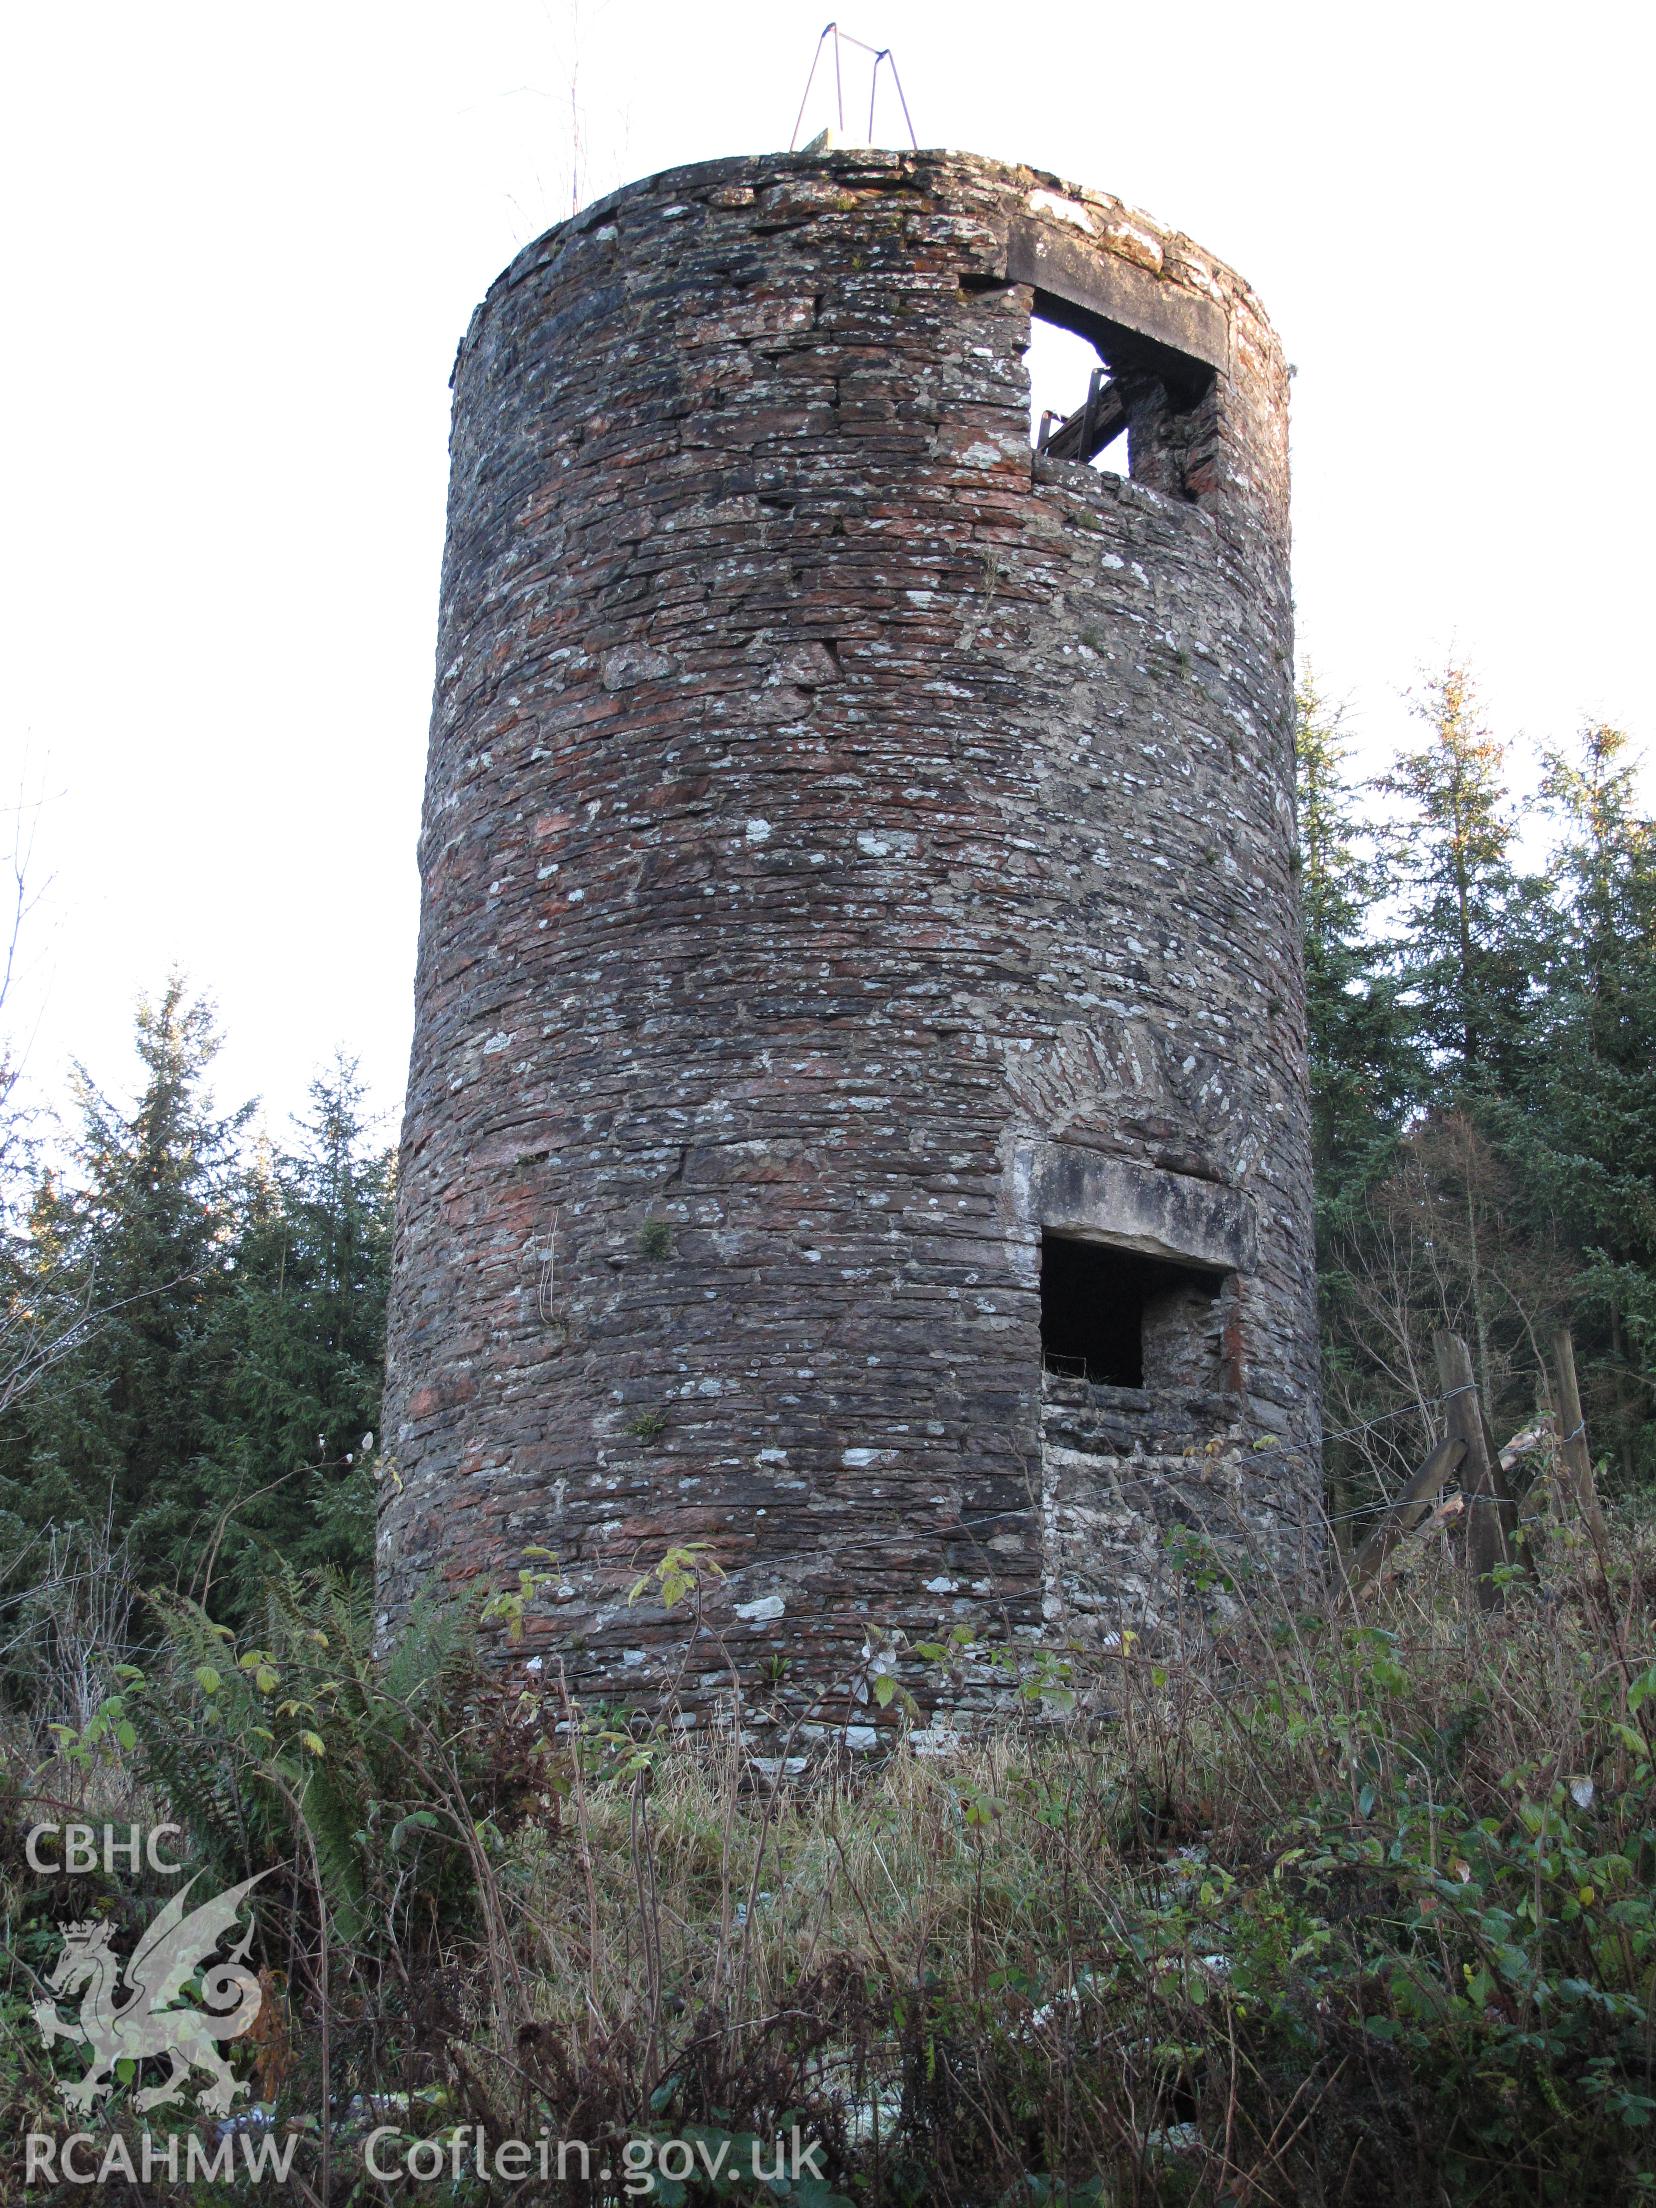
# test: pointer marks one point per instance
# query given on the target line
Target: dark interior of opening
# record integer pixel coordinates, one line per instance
(1095, 1299)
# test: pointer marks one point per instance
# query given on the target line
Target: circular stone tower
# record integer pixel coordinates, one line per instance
(858, 1108)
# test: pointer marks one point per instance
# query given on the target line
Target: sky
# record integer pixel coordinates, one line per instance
(240, 245)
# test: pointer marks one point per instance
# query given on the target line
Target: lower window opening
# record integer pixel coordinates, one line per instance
(1122, 1319)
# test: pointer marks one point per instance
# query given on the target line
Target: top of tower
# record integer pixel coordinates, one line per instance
(1092, 257)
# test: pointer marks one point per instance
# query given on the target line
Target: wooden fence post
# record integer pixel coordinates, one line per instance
(1572, 1440)
(1486, 1542)
(1408, 1510)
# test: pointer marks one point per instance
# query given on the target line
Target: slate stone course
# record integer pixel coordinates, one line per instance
(831, 807)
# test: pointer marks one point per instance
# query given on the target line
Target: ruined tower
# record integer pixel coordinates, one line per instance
(857, 1116)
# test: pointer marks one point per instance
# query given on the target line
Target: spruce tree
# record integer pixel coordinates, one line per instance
(297, 1351)
(1584, 1123)
(1364, 1069)
(1470, 923)
(147, 1229)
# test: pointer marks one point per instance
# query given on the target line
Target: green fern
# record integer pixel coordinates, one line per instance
(297, 1743)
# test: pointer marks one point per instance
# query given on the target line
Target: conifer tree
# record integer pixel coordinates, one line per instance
(1473, 929)
(298, 1347)
(1584, 1123)
(1364, 1070)
(148, 1225)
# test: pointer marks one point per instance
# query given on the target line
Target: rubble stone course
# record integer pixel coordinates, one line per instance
(851, 844)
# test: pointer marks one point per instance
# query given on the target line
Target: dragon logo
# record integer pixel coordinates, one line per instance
(146, 2022)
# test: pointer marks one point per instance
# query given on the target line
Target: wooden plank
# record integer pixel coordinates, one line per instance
(1407, 1511)
(1578, 1458)
(1486, 1541)
(1084, 434)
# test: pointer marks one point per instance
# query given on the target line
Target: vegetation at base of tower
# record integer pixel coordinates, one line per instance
(1341, 1905)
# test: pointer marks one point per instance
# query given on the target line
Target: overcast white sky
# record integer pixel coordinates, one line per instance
(240, 245)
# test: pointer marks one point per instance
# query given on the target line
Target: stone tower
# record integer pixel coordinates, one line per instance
(857, 1116)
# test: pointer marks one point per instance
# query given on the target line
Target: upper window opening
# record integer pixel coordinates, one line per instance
(1074, 412)
(1119, 401)
(1122, 1319)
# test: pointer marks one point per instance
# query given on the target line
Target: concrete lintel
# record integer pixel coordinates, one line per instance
(1118, 291)
(1135, 1207)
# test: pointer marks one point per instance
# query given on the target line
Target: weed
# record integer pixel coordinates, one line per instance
(1337, 1905)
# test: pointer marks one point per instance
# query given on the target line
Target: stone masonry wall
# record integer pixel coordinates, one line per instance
(849, 846)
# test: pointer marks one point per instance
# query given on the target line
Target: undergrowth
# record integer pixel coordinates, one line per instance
(1349, 1906)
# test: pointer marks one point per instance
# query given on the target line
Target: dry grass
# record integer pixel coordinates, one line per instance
(1344, 1907)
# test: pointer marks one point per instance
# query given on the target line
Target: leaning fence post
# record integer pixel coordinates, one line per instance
(1408, 1510)
(1486, 1543)
(1572, 1440)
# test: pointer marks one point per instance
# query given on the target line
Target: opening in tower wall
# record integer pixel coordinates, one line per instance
(1115, 401)
(1075, 413)
(1122, 1319)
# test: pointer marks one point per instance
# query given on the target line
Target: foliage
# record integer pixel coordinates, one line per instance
(214, 1325)
(1484, 1112)
(1583, 1135)
(1345, 1906)
(1469, 921)
(297, 1351)
(149, 1218)
(1367, 1068)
